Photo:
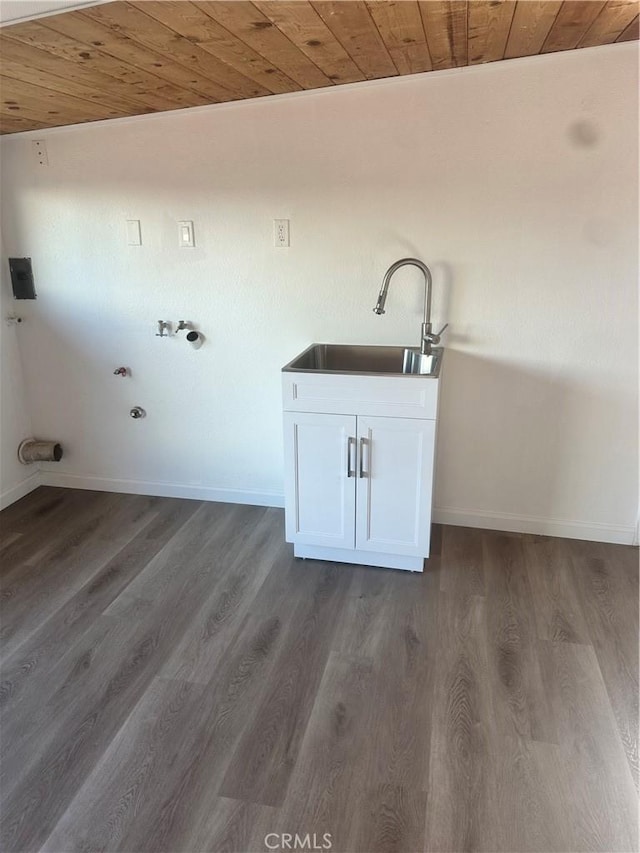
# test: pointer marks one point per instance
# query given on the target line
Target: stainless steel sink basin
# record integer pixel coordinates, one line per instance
(347, 358)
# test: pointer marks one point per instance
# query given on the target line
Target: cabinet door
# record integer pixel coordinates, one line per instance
(320, 479)
(395, 482)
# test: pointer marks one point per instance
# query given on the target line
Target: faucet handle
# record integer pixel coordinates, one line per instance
(429, 337)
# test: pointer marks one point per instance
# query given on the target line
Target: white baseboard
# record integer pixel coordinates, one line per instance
(14, 494)
(163, 490)
(591, 531)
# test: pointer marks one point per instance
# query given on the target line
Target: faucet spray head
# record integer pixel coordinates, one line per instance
(379, 309)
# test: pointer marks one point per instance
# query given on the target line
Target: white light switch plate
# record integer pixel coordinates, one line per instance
(185, 233)
(134, 235)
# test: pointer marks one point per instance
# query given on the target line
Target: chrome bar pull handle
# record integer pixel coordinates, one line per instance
(351, 462)
(364, 442)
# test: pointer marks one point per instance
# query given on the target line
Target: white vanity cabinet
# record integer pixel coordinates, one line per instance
(359, 457)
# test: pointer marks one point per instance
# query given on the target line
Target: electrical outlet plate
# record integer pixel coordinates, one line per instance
(185, 233)
(281, 233)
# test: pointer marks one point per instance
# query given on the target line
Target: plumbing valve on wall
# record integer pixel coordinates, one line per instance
(195, 339)
(166, 329)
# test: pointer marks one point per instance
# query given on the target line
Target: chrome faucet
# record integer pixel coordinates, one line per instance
(427, 337)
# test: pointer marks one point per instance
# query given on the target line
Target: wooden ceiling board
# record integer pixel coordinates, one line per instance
(33, 59)
(200, 90)
(11, 124)
(152, 90)
(353, 26)
(254, 29)
(488, 27)
(167, 56)
(31, 98)
(573, 22)
(141, 29)
(124, 58)
(400, 25)
(530, 27)
(26, 115)
(445, 28)
(632, 32)
(610, 23)
(300, 22)
(195, 25)
(29, 73)
(159, 37)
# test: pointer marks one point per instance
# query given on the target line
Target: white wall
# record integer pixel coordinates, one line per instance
(15, 479)
(516, 182)
(20, 10)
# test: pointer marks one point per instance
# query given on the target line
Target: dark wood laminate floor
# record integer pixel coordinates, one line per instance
(173, 680)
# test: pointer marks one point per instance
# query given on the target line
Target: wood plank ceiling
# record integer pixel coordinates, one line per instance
(130, 58)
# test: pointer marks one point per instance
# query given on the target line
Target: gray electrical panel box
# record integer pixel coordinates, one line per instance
(22, 278)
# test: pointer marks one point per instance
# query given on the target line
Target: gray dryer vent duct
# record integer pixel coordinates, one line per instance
(31, 450)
